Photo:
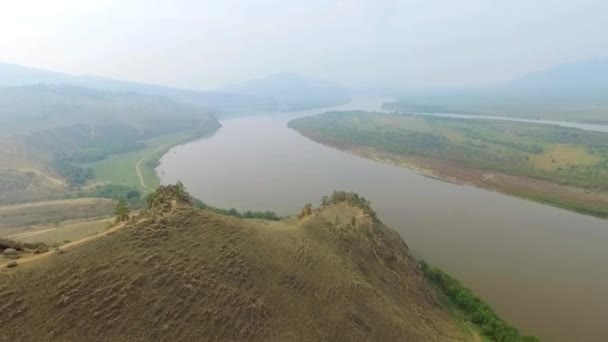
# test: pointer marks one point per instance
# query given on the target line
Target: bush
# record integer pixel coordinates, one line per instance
(266, 215)
(473, 307)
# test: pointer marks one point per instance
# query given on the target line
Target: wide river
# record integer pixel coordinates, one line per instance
(543, 269)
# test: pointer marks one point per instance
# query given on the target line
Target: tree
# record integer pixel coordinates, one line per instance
(306, 211)
(324, 201)
(122, 211)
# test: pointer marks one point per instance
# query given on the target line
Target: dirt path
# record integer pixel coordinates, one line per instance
(63, 248)
(30, 234)
(80, 201)
(137, 167)
(52, 180)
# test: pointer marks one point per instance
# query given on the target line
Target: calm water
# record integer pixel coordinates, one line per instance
(543, 269)
(583, 126)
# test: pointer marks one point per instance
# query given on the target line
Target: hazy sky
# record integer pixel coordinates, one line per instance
(202, 44)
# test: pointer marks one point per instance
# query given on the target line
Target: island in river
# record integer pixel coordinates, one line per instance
(564, 167)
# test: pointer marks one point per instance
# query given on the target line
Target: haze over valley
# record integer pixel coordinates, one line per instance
(283, 171)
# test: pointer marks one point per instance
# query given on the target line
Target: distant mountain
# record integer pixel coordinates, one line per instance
(47, 105)
(16, 75)
(220, 102)
(590, 74)
(574, 92)
(581, 82)
(292, 91)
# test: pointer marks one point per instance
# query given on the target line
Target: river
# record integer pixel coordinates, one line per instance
(541, 268)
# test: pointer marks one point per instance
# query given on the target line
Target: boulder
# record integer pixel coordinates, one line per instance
(42, 249)
(4, 244)
(10, 252)
(12, 263)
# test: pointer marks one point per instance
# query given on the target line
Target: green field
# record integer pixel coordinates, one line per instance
(481, 151)
(121, 168)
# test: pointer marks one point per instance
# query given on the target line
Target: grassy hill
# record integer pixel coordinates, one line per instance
(175, 272)
(57, 137)
(221, 103)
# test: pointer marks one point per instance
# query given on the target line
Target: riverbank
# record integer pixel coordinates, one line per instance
(565, 197)
(562, 167)
(137, 168)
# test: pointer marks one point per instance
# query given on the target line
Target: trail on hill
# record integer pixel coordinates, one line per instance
(65, 247)
(187, 274)
(138, 170)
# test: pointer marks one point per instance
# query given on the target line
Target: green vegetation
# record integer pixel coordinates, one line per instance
(114, 191)
(473, 308)
(353, 199)
(61, 139)
(557, 154)
(179, 191)
(265, 215)
(560, 156)
(75, 176)
(100, 152)
(120, 168)
(122, 211)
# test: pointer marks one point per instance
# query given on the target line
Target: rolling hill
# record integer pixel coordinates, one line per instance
(49, 134)
(181, 273)
(221, 103)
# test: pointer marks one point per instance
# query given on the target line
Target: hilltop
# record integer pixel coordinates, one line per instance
(180, 273)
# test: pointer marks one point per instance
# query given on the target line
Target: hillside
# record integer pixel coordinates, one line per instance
(221, 103)
(570, 92)
(180, 273)
(55, 137)
(34, 107)
(292, 92)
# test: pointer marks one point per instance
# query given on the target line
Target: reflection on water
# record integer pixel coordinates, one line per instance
(544, 269)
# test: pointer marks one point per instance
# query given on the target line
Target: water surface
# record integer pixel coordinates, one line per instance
(569, 124)
(543, 269)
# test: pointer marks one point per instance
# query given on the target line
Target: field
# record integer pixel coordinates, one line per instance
(121, 168)
(55, 221)
(562, 166)
(63, 232)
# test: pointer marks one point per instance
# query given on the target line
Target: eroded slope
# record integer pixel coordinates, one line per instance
(193, 275)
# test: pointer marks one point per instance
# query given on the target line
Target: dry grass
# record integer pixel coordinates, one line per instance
(561, 156)
(57, 235)
(193, 275)
(28, 217)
